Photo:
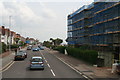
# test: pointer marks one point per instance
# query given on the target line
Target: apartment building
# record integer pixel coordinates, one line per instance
(98, 26)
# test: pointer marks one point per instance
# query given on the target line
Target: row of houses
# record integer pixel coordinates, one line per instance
(10, 37)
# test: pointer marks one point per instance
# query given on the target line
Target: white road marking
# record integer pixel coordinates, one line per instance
(52, 72)
(48, 65)
(9, 66)
(6, 65)
(46, 61)
(74, 68)
(85, 76)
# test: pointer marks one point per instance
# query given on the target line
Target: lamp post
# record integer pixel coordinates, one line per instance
(0, 41)
(10, 33)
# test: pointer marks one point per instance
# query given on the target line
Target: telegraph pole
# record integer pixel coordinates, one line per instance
(10, 33)
(0, 42)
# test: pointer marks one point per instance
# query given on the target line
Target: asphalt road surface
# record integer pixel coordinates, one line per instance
(54, 68)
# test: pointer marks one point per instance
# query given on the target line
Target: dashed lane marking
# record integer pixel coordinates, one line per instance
(52, 72)
(46, 61)
(48, 65)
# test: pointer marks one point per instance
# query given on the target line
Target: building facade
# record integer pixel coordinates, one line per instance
(97, 25)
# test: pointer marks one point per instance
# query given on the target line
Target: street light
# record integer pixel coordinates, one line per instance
(10, 33)
(0, 41)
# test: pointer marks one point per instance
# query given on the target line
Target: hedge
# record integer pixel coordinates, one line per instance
(89, 56)
(14, 46)
(3, 47)
(61, 49)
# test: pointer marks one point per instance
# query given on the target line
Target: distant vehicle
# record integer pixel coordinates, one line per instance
(19, 56)
(24, 52)
(36, 49)
(29, 48)
(37, 63)
(30, 45)
(42, 48)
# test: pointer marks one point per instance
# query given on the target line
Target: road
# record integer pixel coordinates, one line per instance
(54, 68)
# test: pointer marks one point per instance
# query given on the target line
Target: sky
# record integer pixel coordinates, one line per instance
(39, 19)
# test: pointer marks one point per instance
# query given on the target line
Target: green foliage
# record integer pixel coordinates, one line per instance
(14, 46)
(61, 49)
(3, 47)
(56, 41)
(47, 44)
(16, 40)
(89, 56)
(22, 43)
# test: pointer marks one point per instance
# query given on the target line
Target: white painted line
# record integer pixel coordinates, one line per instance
(48, 65)
(52, 72)
(6, 65)
(46, 61)
(85, 76)
(9, 66)
(73, 68)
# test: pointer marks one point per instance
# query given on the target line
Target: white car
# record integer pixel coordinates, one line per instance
(36, 62)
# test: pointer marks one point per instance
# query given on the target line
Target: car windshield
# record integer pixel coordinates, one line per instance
(19, 53)
(36, 60)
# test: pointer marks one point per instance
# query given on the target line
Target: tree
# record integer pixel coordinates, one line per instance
(58, 41)
(16, 40)
(47, 43)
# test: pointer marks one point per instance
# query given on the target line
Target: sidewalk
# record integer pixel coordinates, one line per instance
(88, 70)
(6, 58)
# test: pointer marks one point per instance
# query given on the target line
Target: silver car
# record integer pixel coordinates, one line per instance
(37, 63)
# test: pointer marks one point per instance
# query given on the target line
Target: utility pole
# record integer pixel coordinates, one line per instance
(0, 42)
(10, 34)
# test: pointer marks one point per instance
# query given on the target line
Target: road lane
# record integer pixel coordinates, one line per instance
(60, 69)
(54, 68)
(20, 69)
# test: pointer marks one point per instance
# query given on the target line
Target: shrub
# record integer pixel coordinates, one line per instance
(3, 47)
(14, 46)
(61, 49)
(89, 56)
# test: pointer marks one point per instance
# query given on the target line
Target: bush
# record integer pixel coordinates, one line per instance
(14, 46)
(89, 56)
(3, 47)
(61, 49)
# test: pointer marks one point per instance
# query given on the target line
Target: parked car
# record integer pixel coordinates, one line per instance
(36, 62)
(24, 52)
(19, 56)
(36, 49)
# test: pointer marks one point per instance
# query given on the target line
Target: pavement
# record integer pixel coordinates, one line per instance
(85, 68)
(6, 58)
(54, 68)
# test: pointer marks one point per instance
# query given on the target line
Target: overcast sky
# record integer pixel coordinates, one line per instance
(39, 19)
